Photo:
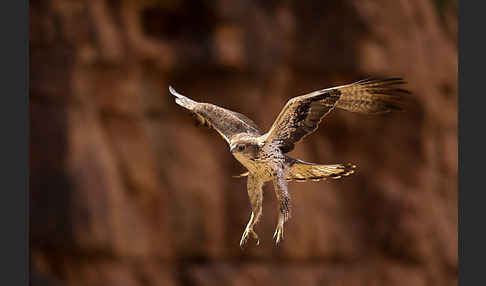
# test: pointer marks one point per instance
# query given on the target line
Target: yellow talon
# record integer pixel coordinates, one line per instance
(244, 237)
(278, 235)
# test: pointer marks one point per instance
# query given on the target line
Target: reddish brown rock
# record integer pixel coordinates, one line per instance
(125, 190)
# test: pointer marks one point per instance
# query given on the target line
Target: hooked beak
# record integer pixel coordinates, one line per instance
(232, 149)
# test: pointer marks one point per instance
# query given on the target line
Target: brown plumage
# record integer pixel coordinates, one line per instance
(263, 154)
(301, 171)
(301, 115)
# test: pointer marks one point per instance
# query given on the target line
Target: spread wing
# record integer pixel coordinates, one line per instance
(302, 115)
(226, 122)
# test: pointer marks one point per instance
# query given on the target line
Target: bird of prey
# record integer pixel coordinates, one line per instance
(264, 154)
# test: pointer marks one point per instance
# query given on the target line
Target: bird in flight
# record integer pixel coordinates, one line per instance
(264, 154)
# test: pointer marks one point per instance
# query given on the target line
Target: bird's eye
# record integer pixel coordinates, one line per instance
(241, 147)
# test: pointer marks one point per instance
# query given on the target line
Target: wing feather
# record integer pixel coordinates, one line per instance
(226, 122)
(301, 115)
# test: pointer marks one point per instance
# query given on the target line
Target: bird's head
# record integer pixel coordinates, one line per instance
(247, 148)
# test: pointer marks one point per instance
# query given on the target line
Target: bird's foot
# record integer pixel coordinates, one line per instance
(246, 233)
(278, 235)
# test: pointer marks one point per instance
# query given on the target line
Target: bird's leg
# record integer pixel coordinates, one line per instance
(254, 187)
(278, 235)
(283, 196)
(249, 230)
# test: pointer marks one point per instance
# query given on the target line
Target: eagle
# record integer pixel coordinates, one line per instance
(264, 155)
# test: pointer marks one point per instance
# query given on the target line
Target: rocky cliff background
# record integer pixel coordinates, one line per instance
(125, 190)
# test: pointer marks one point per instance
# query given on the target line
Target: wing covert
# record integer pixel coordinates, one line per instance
(301, 116)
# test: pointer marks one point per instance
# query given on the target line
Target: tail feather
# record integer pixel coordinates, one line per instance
(301, 171)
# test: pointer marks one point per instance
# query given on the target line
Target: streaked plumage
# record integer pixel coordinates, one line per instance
(264, 154)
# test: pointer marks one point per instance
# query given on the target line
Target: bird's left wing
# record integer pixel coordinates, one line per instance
(302, 115)
(226, 122)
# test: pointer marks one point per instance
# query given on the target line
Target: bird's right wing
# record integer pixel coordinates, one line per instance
(226, 122)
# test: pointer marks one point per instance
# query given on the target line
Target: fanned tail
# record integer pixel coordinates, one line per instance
(301, 171)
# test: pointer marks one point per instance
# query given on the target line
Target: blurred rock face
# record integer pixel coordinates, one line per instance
(125, 190)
